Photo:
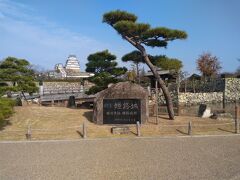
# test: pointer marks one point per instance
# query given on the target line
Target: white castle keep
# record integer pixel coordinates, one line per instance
(71, 69)
(72, 63)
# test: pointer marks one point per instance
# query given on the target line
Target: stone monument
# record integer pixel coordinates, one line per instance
(71, 102)
(204, 111)
(122, 103)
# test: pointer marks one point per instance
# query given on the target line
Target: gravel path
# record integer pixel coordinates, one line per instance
(127, 158)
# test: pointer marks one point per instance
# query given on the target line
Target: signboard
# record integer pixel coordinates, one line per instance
(121, 111)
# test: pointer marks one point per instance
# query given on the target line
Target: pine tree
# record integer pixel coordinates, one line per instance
(18, 72)
(136, 58)
(103, 64)
(141, 35)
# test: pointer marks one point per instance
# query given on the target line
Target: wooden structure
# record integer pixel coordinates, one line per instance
(166, 75)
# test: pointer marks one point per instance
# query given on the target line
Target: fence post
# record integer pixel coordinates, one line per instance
(236, 119)
(29, 133)
(185, 86)
(52, 103)
(156, 89)
(193, 85)
(190, 128)
(40, 102)
(138, 129)
(84, 130)
(223, 100)
(178, 109)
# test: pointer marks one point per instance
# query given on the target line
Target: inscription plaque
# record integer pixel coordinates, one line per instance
(121, 111)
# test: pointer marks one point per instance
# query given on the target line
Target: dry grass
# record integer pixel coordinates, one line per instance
(64, 123)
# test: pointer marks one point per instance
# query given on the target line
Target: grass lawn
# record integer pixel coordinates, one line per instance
(65, 123)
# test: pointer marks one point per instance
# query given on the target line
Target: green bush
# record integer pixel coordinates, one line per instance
(18, 101)
(6, 108)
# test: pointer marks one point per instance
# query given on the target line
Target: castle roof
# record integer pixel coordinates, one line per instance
(72, 63)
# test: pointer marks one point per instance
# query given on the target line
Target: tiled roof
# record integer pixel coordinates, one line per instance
(76, 73)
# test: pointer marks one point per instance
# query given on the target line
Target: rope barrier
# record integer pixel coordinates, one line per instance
(73, 127)
(202, 125)
(143, 126)
(13, 131)
(186, 125)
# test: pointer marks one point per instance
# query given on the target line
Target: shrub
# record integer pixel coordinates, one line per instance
(6, 108)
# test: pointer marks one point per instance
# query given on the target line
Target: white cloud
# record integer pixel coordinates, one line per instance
(42, 42)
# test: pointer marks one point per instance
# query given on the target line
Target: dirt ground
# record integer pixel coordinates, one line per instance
(64, 123)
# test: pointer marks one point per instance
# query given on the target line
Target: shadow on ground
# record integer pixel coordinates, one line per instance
(162, 117)
(182, 132)
(152, 119)
(88, 115)
(226, 130)
(4, 123)
(80, 133)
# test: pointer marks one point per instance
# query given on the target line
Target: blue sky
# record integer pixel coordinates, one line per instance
(46, 32)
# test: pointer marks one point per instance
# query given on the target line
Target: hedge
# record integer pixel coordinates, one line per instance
(6, 108)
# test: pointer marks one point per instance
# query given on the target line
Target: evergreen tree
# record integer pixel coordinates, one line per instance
(160, 61)
(141, 35)
(166, 63)
(103, 64)
(18, 72)
(136, 58)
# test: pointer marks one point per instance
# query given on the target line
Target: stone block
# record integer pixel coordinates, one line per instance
(120, 130)
(204, 111)
(222, 116)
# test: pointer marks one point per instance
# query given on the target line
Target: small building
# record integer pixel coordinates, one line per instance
(166, 75)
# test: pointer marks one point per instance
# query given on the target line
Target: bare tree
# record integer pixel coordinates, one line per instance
(208, 65)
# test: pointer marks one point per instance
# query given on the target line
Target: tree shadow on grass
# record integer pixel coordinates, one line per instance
(152, 121)
(80, 133)
(88, 115)
(4, 123)
(226, 130)
(134, 133)
(182, 132)
(162, 117)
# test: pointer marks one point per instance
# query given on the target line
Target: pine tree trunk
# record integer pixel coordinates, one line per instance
(155, 73)
(24, 96)
(163, 87)
(138, 77)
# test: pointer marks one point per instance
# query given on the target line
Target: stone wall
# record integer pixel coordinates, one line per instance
(61, 87)
(198, 98)
(173, 92)
(232, 89)
(228, 89)
(174, 96)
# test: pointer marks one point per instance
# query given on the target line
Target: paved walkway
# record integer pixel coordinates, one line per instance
(129, 158)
